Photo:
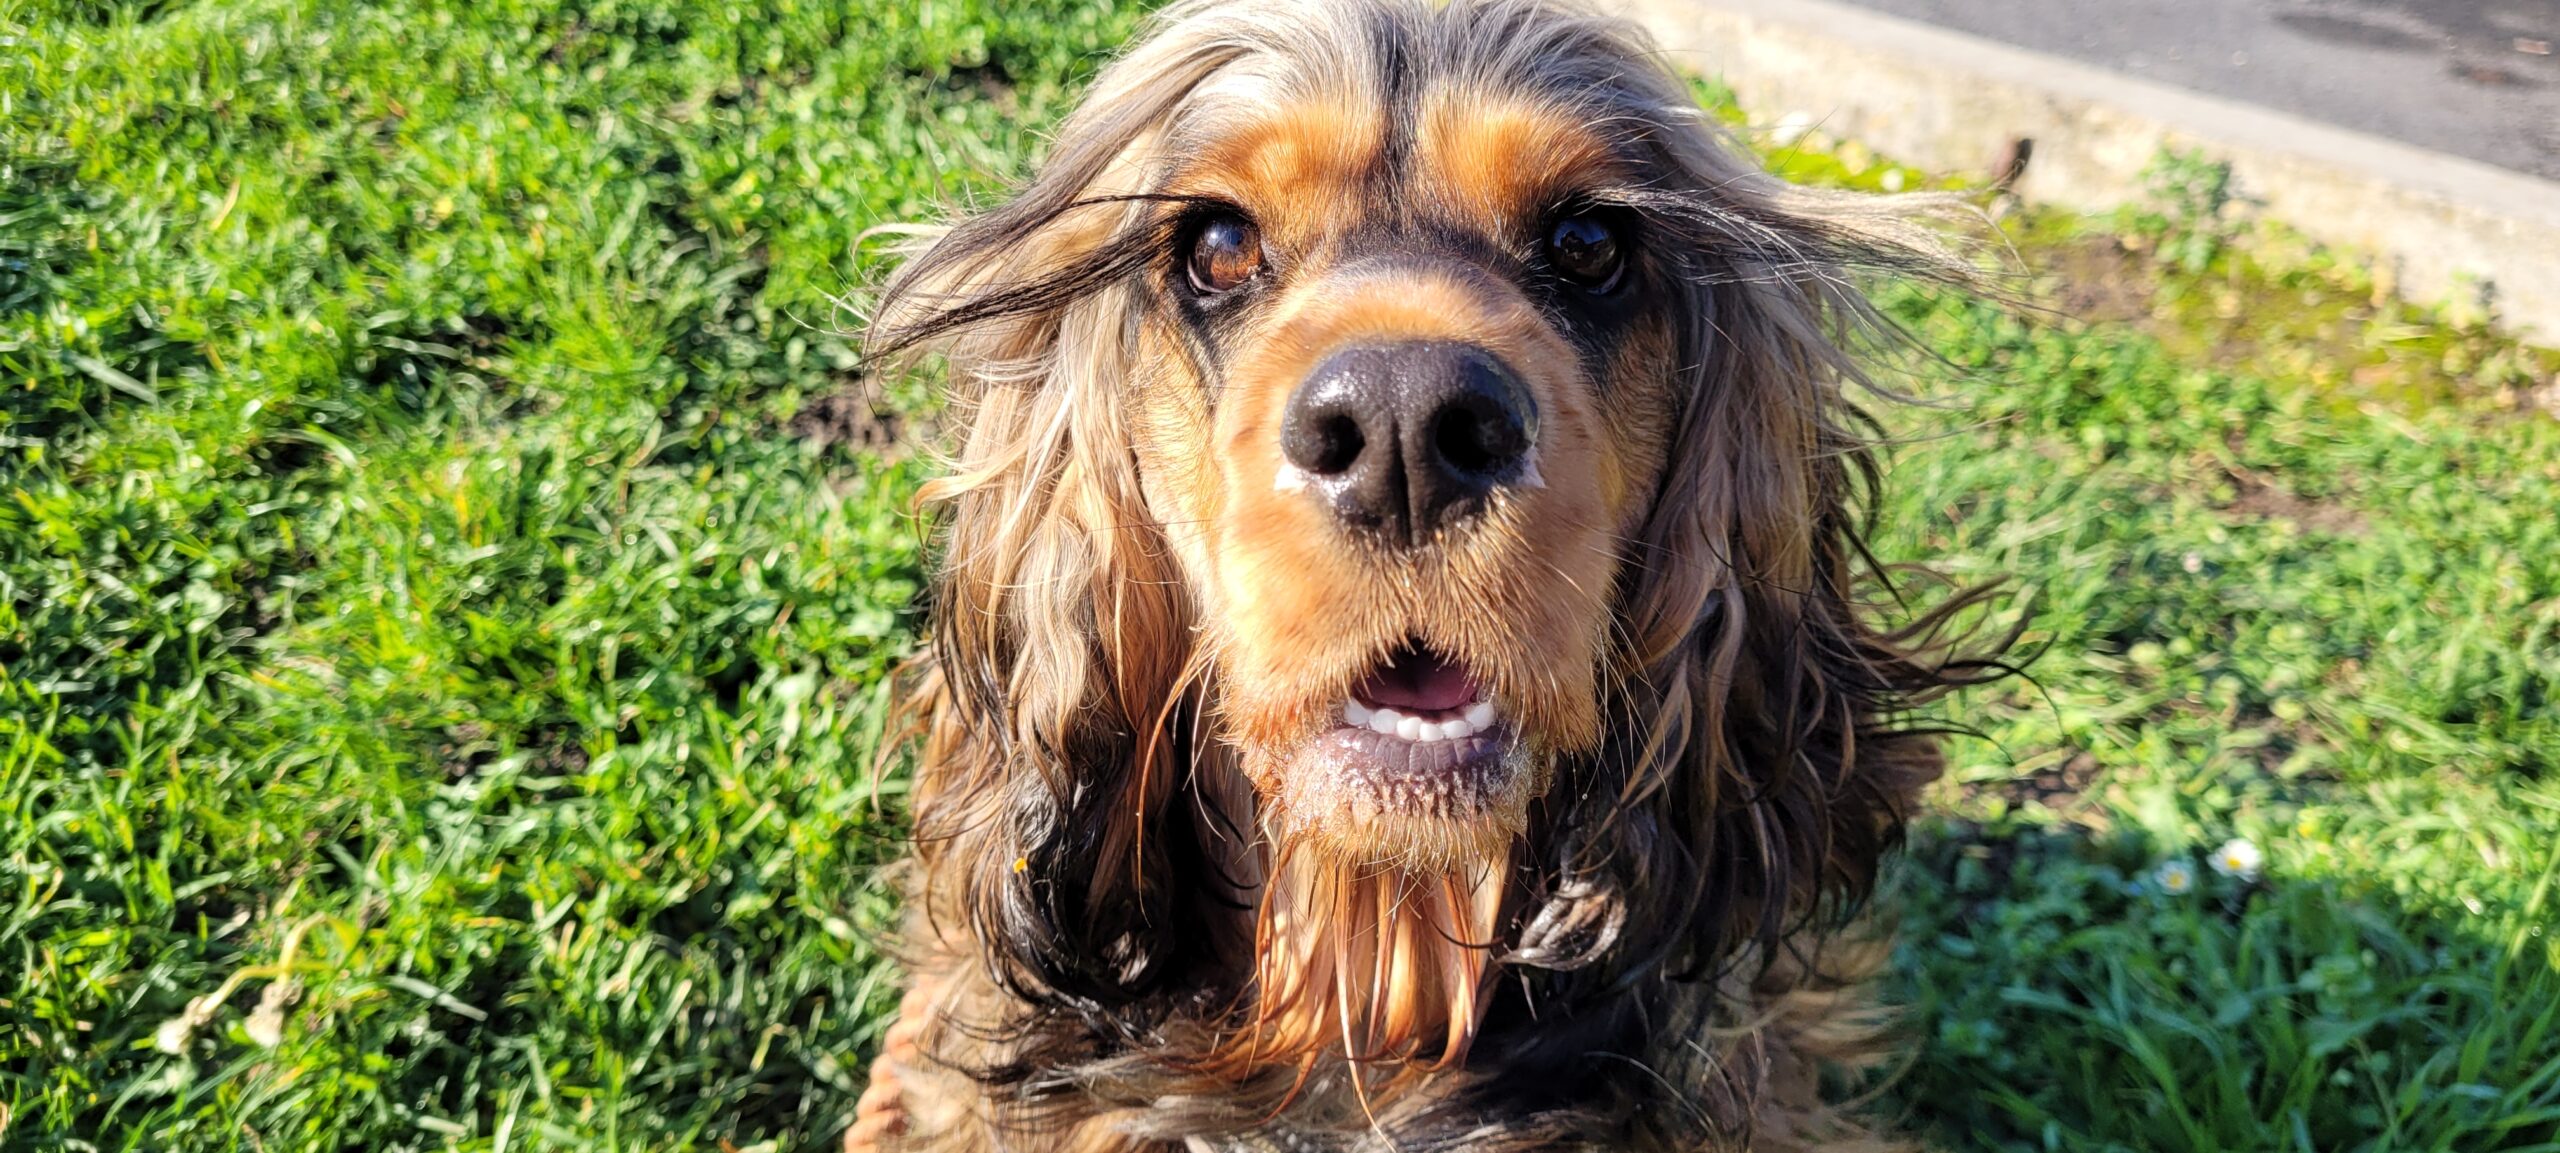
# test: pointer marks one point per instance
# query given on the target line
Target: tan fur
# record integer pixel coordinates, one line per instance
(1137, 918)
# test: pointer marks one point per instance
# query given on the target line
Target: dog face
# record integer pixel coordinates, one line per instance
(1408, 490)
(1402, 394)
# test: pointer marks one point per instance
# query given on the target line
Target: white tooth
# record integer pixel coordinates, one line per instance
(1431, 731)
(1480, 715)
(1384, 721)
(1410, 728)
(1456, 729)
(1353, 712)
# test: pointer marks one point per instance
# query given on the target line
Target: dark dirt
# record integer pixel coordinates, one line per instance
(852, 418)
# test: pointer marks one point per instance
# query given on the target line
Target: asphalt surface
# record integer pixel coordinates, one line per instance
(2475, 78)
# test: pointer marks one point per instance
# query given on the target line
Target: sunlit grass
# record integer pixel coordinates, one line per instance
(449, 566)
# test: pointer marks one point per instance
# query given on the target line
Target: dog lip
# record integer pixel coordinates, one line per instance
(1447, 777)
(1415, 679)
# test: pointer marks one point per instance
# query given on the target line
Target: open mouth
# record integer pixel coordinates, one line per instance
(1419, 696)
(1419, 737)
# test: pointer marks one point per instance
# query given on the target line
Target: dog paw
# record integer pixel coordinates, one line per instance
(880, 1116)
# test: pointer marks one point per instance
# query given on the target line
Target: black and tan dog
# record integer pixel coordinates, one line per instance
(1403, 672)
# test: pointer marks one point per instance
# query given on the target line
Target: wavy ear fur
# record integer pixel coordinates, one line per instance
(1057, 697)
(1759, 757)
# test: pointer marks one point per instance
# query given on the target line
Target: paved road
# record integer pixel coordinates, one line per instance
(2476, 78)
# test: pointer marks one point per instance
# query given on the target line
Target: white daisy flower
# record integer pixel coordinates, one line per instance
(2174, 876)
(265, 1027)
(2238, 857)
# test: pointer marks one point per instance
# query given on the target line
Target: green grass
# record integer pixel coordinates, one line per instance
(418, 599)
(2298, 583)
(2333, 633)
(448, 570)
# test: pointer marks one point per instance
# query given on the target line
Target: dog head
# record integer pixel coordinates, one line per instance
(1405, 438)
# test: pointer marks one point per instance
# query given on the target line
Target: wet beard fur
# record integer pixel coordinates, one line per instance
(1380, 966)
(1361, 981)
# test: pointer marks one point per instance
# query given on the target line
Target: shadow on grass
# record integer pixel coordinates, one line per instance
(2079, 991)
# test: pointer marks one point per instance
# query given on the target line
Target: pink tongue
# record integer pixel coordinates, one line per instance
(1418, 680)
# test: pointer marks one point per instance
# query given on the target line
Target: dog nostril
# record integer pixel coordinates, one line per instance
(1476, 436)
(1331, 445)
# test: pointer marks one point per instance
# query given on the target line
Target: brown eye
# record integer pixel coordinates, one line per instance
(1584, 249)
(1226, 252)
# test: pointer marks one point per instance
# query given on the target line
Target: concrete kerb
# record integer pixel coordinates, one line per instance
(2439, 226)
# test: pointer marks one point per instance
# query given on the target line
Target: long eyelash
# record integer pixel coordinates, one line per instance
(1199, 211)
(1128, 253)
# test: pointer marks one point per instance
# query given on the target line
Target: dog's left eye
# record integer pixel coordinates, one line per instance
(1585, 249)
(1225, 252)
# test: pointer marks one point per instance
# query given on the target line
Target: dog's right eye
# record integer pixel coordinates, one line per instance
(1585, 248)
(1226, 251)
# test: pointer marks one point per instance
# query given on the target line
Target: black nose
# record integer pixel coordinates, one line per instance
(1404, 439)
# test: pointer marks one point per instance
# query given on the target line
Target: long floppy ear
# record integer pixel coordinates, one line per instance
(1061, 654)
(1761, 757)
(1802, 680)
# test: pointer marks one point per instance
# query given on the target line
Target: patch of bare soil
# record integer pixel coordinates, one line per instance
(2057, 787)
(2267, 502)
(853, 418)
(2261, 497)
(2094, 280)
